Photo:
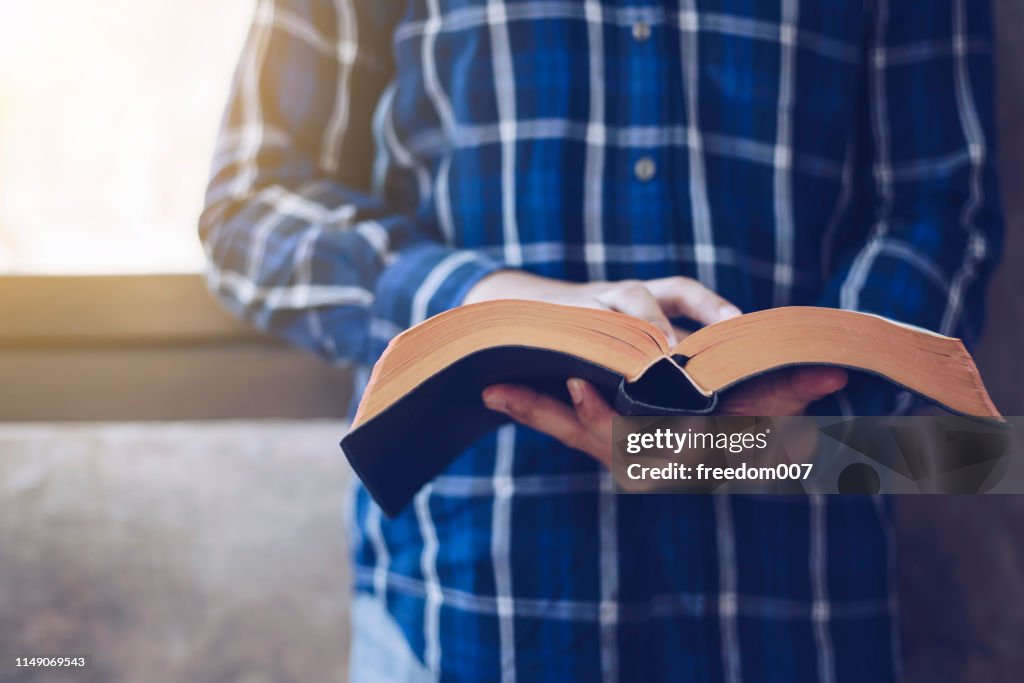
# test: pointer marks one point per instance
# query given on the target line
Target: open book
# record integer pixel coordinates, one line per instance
(423, 404)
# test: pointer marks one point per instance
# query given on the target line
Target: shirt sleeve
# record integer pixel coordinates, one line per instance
(926, 225)
(299, 242)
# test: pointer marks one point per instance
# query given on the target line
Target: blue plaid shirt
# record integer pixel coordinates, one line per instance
(379, 157)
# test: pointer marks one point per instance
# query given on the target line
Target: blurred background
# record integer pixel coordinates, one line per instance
(109, 112)
(171, 490)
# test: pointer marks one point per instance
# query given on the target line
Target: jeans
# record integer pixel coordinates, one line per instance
(380, 653)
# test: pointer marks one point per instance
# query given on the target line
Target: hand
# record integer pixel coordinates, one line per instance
(652, 300)
(783, 392)
(786, 392)
(587, 425)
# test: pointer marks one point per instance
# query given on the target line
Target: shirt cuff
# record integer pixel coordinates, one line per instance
(426, 279)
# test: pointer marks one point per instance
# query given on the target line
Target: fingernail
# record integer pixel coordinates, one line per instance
(575, 390)
(728, 311)
(495, 402)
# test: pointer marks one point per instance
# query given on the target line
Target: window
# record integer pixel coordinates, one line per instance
(108, 115)
(107, 123)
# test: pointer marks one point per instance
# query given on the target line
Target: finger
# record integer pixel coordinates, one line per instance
(680, 333)
(633, 298)
(592, 410)
(776, 394)
(809, 384)
(685, 296)
(591, 302)
(785, 392)
(538, 411)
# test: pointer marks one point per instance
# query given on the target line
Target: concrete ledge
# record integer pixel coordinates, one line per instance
(178, 551)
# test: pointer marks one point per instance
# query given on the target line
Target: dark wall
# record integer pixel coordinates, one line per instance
(1000, 353)
(962, 557)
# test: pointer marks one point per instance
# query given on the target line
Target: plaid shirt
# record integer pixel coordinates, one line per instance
(379, 157)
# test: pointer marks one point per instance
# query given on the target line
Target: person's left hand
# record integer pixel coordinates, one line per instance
(587, 425)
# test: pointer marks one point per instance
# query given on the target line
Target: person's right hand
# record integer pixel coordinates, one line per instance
(652, 300)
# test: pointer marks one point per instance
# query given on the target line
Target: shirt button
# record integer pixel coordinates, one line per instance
(644, 169)
(641, 31)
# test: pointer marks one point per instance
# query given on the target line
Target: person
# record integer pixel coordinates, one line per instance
(381, 162)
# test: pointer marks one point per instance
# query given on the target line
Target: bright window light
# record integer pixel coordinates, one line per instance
(108, 113)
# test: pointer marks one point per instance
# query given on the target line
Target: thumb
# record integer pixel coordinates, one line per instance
(801, 386)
